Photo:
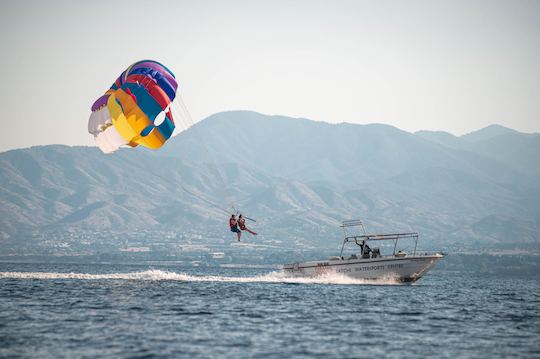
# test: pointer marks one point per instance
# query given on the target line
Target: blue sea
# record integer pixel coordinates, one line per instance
(149, 311)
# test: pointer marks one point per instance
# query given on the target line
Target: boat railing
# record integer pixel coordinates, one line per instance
(348, 226)
(352, 223)
(395, 237)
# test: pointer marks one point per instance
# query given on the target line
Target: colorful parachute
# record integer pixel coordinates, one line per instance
(130, 112)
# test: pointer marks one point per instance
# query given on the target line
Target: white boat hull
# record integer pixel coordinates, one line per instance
(403, 269)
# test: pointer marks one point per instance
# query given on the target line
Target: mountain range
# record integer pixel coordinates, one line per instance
(299, 178)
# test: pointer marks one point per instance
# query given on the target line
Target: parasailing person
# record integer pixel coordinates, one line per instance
(242, 225)
(233, 224)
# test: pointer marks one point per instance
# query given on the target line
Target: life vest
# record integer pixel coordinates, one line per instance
(232, 222)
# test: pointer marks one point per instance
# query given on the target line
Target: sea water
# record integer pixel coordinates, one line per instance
(126, 311)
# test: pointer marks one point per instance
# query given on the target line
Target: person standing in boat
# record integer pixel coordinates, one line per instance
(365, 250)
(242, 225)
(233, 224)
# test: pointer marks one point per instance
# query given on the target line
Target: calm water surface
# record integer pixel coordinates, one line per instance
(140, 311)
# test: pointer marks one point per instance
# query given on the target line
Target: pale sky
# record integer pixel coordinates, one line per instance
(450, 65)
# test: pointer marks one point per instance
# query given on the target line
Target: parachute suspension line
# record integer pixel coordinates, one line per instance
(206, 200)
(188, 121)
(184, 119)
(178, 107)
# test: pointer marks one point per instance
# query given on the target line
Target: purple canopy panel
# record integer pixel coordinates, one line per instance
(100, 102)
(160, 68)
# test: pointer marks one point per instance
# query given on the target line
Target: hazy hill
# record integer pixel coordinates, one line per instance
(344, 154)
(515, 150)
(298, 177)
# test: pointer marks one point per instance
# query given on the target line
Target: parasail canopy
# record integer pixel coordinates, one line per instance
(136, 109)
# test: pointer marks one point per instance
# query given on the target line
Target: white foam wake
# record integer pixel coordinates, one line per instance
(156, 275)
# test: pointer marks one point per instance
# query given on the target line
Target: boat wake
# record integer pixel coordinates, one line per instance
(159, 275)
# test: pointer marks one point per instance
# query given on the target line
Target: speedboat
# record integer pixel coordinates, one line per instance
(372, 264)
